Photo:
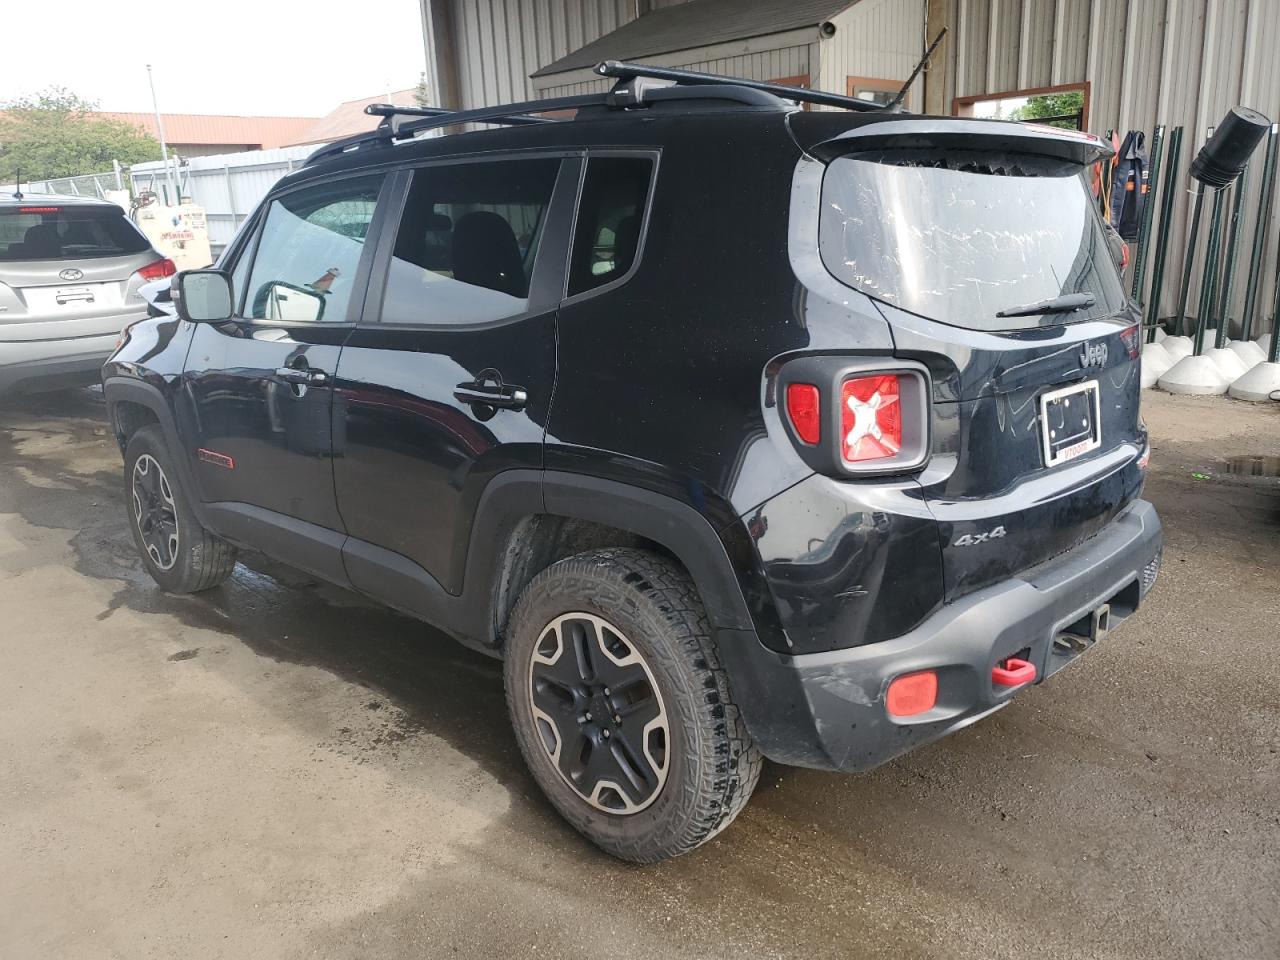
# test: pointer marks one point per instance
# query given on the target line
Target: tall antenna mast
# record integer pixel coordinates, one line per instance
(924, 61)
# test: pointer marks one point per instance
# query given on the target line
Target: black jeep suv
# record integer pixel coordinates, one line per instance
(737, 430)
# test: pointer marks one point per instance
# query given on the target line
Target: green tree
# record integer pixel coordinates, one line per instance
(421, 92)
(56, 134)
(1051, 105)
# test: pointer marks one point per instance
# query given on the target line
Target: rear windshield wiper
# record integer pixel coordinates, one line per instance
(1063, 304)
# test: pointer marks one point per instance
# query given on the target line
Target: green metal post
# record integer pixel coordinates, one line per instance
(1207, 282)
(1223, 313)
(1151, 310)
(1188, 261)
(1260, 233)
(1148, 213)
(1193, 236)
(1273, 353)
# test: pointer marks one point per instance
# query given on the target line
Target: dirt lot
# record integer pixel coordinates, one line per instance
(277, 769)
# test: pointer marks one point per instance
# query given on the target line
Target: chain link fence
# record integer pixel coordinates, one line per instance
(86, 185)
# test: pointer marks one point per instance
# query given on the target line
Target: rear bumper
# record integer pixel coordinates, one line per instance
(37, 365)
(826, 710)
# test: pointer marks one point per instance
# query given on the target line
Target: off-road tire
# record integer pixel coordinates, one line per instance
(713, 765)
(202, 560)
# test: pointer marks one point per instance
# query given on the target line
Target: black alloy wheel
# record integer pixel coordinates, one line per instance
(598, 713)
(154, 512)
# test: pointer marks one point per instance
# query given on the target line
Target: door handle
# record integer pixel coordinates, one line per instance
(487, 393)
(303, 375)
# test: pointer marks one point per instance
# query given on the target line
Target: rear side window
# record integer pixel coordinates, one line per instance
(309, 252)
(52, 232)
(961, 236)
(467, 242)
(609, 220)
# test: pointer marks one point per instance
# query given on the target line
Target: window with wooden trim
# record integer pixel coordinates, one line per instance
(1065, 105)
(876, 90)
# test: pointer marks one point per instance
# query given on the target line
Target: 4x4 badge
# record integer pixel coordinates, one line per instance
(1093, 355)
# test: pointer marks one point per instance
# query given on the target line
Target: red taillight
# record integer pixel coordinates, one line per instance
(158, 270)
(39, 209)
(1132, 342)
(803, 409)
(870, 418)
(912, 694)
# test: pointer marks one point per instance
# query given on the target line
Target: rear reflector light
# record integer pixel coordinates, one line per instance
(1132, 342)
(1012, 672)
(912, 694)
(870, 418)
(802, 408)
(158, 270)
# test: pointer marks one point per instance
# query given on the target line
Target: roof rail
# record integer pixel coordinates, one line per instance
(631, 91)
(622, 71)
(391, 114)
(394, 128)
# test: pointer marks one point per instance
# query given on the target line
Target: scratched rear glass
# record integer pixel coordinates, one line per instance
(959, 236)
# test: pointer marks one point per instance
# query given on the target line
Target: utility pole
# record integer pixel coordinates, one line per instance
(174, 199)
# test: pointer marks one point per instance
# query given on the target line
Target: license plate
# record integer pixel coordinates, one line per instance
(1070, 422)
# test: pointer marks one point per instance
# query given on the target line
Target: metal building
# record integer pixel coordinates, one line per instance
(1136, 62)
(483, 52)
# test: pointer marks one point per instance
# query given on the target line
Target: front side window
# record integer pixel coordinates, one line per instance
(962, 237)
(309, 252)
(609, 220)
(467, 242)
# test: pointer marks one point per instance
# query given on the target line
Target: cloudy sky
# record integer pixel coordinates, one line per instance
(230, 56)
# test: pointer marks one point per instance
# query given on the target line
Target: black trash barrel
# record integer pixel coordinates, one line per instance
(1224, 155)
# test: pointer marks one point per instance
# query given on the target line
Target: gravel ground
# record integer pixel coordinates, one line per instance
(278, 769)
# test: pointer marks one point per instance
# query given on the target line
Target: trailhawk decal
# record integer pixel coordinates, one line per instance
(215, 458)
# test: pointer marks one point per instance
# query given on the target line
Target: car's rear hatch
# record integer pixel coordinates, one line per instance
(961, 232)
(69, 270)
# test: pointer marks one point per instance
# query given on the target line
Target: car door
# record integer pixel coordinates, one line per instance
(258, 388)
(452, 383)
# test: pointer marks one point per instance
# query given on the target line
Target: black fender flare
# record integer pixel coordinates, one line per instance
(117, 390)
(515, 495)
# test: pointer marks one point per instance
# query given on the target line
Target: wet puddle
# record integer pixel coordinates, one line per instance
(1250, 466)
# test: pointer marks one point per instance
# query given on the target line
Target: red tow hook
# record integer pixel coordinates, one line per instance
(1012, 672)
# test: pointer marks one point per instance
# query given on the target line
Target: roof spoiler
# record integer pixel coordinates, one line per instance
(895, 133)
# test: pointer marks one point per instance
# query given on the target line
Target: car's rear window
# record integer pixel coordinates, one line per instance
(960, 236)
(52, 232)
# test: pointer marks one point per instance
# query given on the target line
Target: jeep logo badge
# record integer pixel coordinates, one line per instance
(72, 274)
(1093, 355)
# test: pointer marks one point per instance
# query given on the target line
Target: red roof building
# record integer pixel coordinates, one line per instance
(349, 118)
(200, 135)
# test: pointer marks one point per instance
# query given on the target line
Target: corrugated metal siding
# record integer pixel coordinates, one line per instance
(968, 64)
(498, 43)
(1004, 33)
(778, 64)
(1035, 61)
(1147, 61)
(882, 39)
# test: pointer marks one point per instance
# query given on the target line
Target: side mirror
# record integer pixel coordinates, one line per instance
(203, 296)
